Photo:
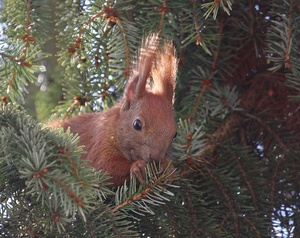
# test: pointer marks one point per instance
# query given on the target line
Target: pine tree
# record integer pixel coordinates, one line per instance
(236, 154)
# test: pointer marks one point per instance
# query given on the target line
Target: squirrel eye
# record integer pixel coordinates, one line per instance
(175, 136)
(137, 124)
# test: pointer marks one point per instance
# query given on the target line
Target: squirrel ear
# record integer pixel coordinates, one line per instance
(136, 86)
(164, 72)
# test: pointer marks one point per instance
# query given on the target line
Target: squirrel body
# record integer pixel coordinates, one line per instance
(141, 126)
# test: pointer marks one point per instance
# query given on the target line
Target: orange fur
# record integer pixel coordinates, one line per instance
(111, 142)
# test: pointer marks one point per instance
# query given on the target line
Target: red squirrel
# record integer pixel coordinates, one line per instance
(141, 126)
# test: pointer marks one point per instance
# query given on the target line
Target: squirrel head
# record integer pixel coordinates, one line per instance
(147, 124)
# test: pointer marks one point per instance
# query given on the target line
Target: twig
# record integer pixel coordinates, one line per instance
(287, 60)
(127, 52)
(163, 10)
(150, 187)
(206, 82)
(227, 198)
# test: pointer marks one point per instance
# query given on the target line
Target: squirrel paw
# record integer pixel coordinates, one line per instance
(138, 170)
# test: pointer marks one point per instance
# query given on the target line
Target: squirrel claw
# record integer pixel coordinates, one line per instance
(138, 170)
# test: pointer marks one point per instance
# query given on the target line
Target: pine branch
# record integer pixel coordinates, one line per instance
(222, 132)
(213, 7)
(207, 81)
(163, 10)
(149, 192)
(222, 188)
(244, 176)
(287, 63)
(22, 50)
(43, 175)
(237, 152)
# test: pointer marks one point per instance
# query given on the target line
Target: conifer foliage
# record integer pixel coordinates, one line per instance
(236, 154)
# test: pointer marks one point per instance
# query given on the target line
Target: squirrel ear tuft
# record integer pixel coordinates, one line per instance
(164, 72)
(136, 86)
(160, 63)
